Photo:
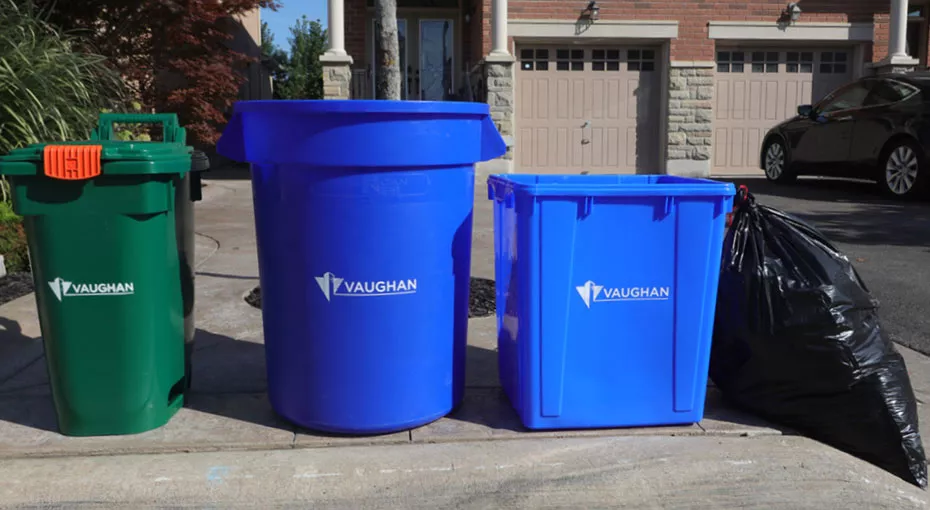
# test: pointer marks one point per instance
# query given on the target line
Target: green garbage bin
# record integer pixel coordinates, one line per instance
(100, 221)
(187, 192)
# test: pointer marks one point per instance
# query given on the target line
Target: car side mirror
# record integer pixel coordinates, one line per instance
(805, 110)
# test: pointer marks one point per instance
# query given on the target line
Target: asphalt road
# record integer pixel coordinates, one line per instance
(887, 240)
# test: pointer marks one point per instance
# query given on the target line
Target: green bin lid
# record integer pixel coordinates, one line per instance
(88, 159)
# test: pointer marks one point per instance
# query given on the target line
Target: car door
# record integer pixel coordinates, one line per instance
(825, 142)
(883, 113)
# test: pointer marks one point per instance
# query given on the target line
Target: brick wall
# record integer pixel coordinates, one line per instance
(357, 24)
(693, 15)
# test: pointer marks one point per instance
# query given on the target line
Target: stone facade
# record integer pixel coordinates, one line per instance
(499, 80)
(337, 79)
(690, 119)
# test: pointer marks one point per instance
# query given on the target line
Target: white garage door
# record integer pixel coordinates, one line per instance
(758, 88)
(591, 109)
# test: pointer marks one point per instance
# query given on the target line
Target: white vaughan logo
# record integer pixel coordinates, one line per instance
(592, 293)
(63, 288)
(333, 286)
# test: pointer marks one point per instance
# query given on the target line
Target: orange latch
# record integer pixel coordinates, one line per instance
(72, 162)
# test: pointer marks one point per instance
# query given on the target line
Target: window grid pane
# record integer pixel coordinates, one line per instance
(605, 60)
(569, 60)
(534, 59)
(642, 60)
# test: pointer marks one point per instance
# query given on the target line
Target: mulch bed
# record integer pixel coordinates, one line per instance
(480, 300)
(255, 297)
(14, 286)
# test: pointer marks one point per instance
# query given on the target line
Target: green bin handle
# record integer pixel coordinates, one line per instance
(172, 132)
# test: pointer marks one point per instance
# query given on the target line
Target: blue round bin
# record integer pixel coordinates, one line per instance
(363, 216)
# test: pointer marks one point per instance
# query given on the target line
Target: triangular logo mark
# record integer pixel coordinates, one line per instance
(323, 282)
(329, 284)
(589, 292)
(56, 287)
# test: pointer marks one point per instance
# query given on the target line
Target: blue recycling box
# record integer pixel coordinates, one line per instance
(606, 288)
(363, 217)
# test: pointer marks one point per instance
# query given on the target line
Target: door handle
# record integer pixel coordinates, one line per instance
(587, 124)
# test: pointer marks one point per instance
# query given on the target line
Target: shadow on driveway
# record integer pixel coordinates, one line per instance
(847, 211)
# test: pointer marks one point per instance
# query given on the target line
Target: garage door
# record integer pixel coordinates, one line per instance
(591, 109)
(758, 88)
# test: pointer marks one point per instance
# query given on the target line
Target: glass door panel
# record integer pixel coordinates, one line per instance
(436, 59)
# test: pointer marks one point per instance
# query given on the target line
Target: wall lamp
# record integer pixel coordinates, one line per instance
(793, 12)
(593, 11)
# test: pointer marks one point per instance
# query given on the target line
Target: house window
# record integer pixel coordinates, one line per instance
(730, 61)
(605, 60)
(833, 62)
(534, 60)
(641, 60)
(566, 60)
(765, 61)
(799, 62)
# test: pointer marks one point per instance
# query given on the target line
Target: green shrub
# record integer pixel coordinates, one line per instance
(50, 90)
(13, 244)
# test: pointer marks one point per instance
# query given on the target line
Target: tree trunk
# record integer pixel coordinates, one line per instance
(388, 56)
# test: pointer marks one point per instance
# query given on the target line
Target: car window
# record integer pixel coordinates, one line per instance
(888, 91)
(851, 96)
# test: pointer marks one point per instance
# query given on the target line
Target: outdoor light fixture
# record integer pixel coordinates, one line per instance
(793, 11)
(593, 11)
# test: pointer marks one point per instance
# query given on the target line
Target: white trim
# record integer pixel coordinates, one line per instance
(337, 28)
(663, 109)
(500, 58)
(625, 29)
(333, 59)
(774, 31)
(499, 28)
(859, 52)
(403, 70)
(693, 64)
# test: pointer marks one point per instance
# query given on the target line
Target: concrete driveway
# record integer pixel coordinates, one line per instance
(887, 240)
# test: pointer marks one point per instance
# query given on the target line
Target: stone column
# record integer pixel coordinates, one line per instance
(337, 64)
(337, 76)
(499, 82)
(897, 61)
(498, 79)
(690, 118)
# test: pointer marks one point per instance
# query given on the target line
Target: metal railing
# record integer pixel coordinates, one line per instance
(472, 87)
(361, 84)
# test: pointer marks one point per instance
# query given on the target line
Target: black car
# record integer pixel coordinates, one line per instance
(875, 128)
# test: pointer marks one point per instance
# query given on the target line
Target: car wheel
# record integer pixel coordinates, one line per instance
(901, 173)
(775, 162)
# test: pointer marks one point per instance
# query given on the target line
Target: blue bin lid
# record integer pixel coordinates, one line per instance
(349, 133)
(608, 185)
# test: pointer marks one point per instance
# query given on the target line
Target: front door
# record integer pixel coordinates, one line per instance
(428, 56)
(437, 59)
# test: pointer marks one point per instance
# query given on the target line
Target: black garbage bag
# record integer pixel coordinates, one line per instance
(797, 340)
